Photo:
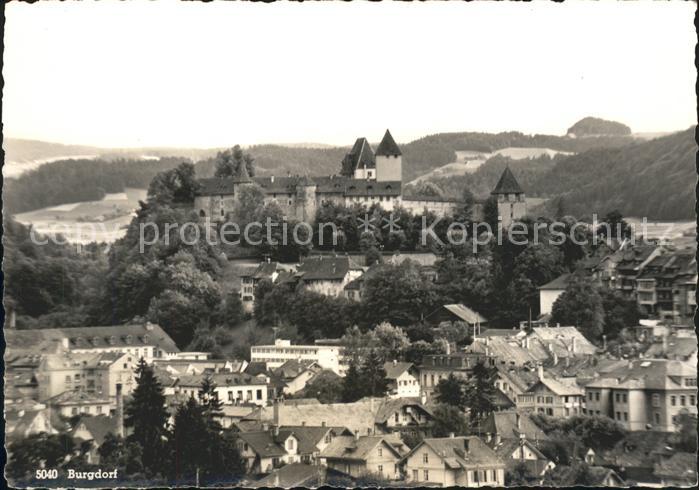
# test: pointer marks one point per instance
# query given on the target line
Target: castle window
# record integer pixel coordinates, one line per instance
(202, 214)
(221, 212)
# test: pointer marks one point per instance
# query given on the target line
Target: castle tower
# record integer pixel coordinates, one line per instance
(306, 200)
(389, 160)
(512, 203)
(360, 163)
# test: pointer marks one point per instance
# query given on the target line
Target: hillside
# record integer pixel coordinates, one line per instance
(655, 179)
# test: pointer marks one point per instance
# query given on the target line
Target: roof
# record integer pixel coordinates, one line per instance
(498, 332)
(387, 407)
(289, 476)
(98, 426)
(461, 452)
(638, 449)
(362, 187)
(465, 313)
(294, 367)
(221, 379)
(507, 184)
(117, 336)
(504, 424)
(264, 444)
(216, 186)
(358, 449)
(388, 146)
(565, 339)
(262, 271)
(561, 282)
(77, 398)
(324, 268)
(267, 443)
(676, 348)
(506, 447)
(395, 369)
(654, 374)
(360, 156)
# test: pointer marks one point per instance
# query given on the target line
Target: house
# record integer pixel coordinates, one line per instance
(93, 430)
(675, 348)
(512, 382)
(268, 449)
(666, 286)
(92, 372)
(178, 366)
(326, 356)
(293, 475)
(554, 397)
(678, 470)
(549, 292)
(71, 403)
(327, 275)
(631, 264)
(403, 379)
(20, 424)
(634, 457)
(250, 279)
(296, 374)
(402, 415)
(358, 456)
(515, 452)
(457, 313)
(436, 367)
(454, 461)
(645, 394)
(230, 388)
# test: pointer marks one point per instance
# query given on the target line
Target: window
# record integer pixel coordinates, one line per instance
(99, 408)
(626, 416)
(426, 475)
(656, 400)
(692, 400)
(425, 458)
(624, 398)
(259, 394)
(495, 478)
(673, 400)
(597, 396)
(397, 417)
(657, 418)
(415, 475)
(565, 399)
(230, 396)
(380, 468)
(617, 397)
(69, 379)
(618, 415)
(380, 452)
(690, 382)
(290, 444)
(683, 400)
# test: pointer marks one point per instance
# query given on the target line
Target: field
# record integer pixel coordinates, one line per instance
(84, 222)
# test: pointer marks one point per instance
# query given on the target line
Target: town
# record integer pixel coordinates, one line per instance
(373, 361)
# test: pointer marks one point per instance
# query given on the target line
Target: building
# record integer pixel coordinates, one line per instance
(454, 461)
(72, 403)
(511, 425)
(148, 341)
(327, 275)
(93, 431)
(645, 394)
(266, 450)
(403, 379)
(436, 367)
(457, 313)
(179, 366)
(231, 388)
(512, 203)
(666, 287)
(630, 265)
(515, 452)
(366, 177)
(359, 456)
(250, 279)
(560, 397)
(297, 374)
(20, 424)
(327, 356)
(549, 292)
(402, 416)
(93, 373)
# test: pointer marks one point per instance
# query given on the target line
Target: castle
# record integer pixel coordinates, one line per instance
(366, 177)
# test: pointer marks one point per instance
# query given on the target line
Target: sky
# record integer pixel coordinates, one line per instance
(208, 75)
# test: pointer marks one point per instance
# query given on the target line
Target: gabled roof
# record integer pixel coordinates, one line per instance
(507, 184)
(395, 369)
(561, 282)
(221, 379)
(465, 313)
(290, 476)
(360, 156)
(506, 447)
(358, 449)
(216, 186)
(361, 188)
(77, 398)
(264, 444)
(98, 426)
(294, 367)
(559, 386)
(504, 424)
(388, 146)
(461, 452)
(654, 374)
(324, 268)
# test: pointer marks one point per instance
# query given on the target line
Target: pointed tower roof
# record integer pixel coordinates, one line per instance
(507, 184)
(361, 155)
(388, 146)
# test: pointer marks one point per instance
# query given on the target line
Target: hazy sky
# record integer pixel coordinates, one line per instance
(193, 74)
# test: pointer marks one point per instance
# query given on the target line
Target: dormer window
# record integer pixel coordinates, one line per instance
(95, 340)
(146, 338)
(129, 339)
(112, 340)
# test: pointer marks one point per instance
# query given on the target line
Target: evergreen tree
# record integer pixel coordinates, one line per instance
(353, 388)
(210, 403)
(450, 391)
(147, 415)
(449, 420)
(479, 392)
(373, 375)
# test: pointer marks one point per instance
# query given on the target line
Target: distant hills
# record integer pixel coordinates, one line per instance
(593, 126)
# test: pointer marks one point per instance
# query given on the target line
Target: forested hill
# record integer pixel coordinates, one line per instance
(654, 178)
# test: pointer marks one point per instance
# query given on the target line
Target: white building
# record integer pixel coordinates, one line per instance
(230, 388)
(327, 356)
(403, 379)
(549, 293)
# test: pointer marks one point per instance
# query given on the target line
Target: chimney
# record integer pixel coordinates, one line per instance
(540, 371)
(664, 344)
(573, 346)
(448, 348)
(518, 422)
(395, 362)
(526, 342)
(497, 438)
(451, 435)
(488, 437)
(119, 411)
(271, 179)
(604, 342)
(558, 325)
(567, 361)
(423, 397)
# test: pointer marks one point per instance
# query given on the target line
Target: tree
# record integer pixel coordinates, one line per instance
(619, 312)
(373, 375)
(416, 351)
(448, 420)
(326, 386)
(250, 199)
(37, 451)
(146, 414)
(228, 162)
(479, 391)
(210, 403)
(353, 387)
(450, 391)
(580, 305)
(491, 213)
(686, 434)
(115, 452)
(613, 226)
(230, 311)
